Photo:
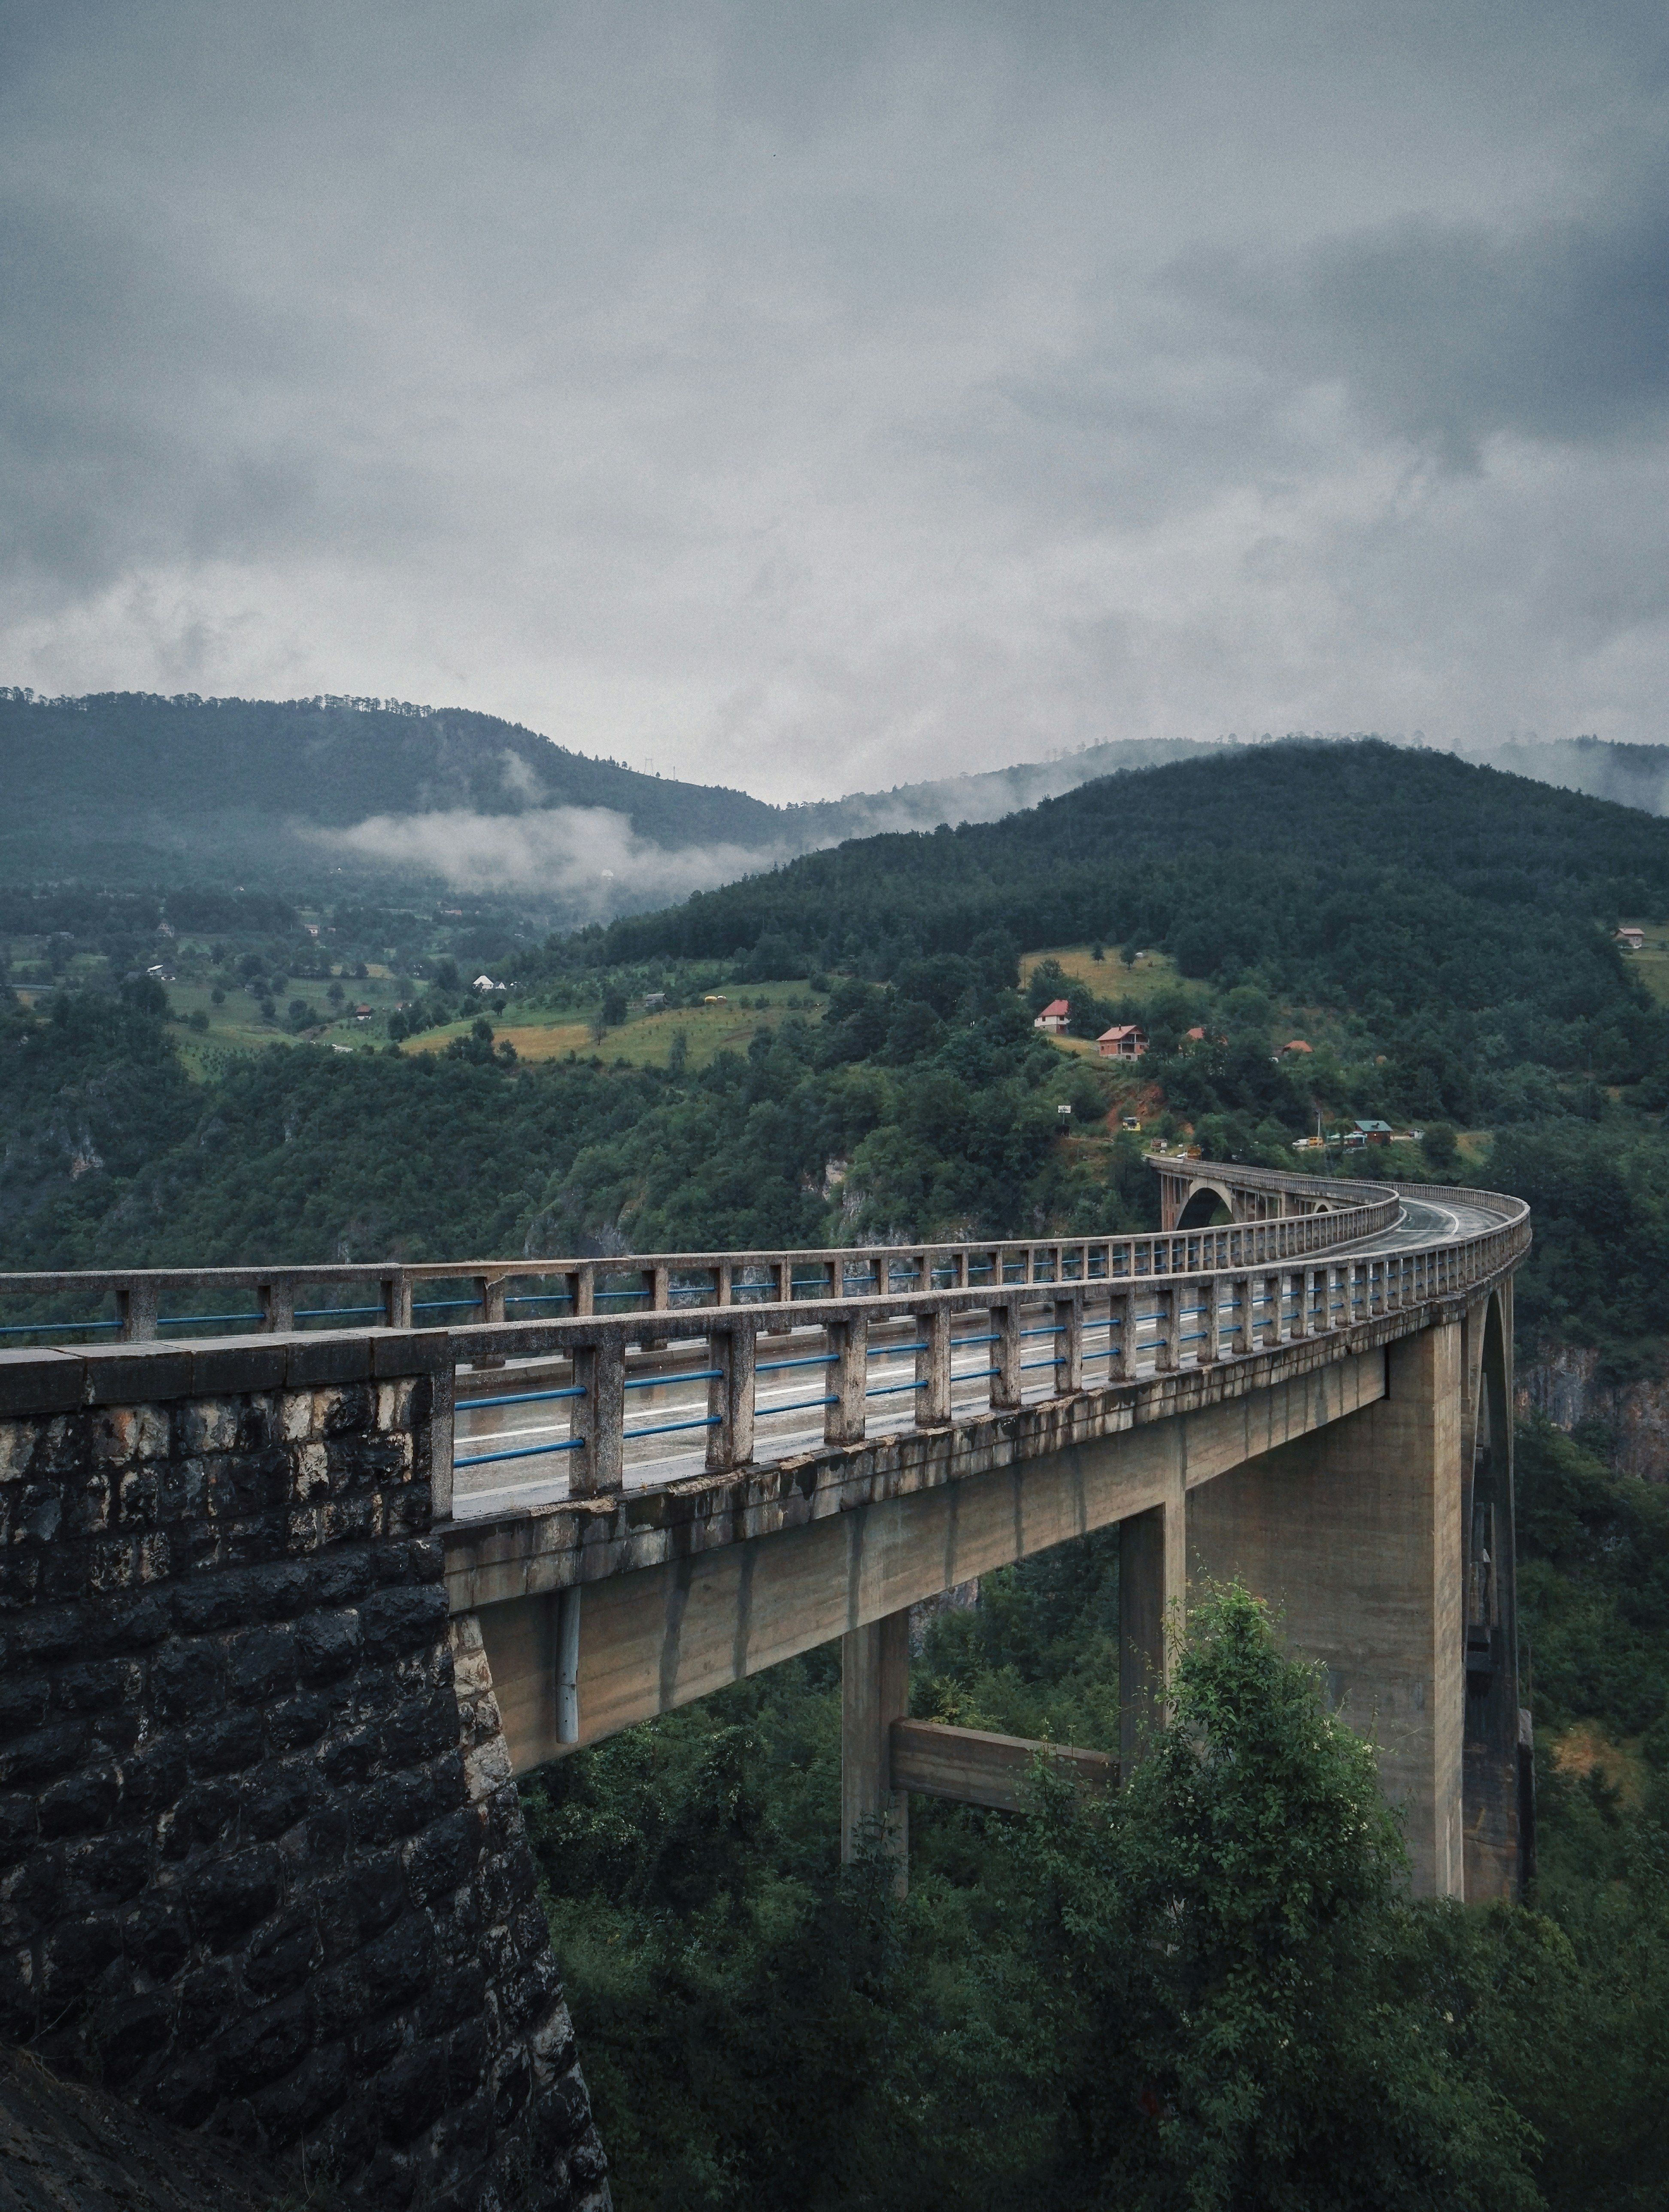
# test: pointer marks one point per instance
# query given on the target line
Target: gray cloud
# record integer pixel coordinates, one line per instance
(815, 399)
(587, 858)
(1450, 334)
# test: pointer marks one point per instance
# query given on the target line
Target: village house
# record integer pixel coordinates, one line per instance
(1631, 940)
(1122, 1041)
(1373, 1132)
(1296, 1044)
(1054, 1017)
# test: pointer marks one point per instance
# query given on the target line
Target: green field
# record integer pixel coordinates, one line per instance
(644, 1039)
(1108, 977)
(1651, 962)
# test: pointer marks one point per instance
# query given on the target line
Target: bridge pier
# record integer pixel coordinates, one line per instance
(1354, 1534)
(874, 1691)
(1152, 1590)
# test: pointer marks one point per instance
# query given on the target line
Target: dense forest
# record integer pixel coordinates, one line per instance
(1396, 880)
(1216, 1996)
(1197, 1999)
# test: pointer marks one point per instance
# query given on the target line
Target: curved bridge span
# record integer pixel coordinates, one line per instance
(682, 1468)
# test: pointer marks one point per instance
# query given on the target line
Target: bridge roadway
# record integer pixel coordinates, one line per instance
(1335, 1427)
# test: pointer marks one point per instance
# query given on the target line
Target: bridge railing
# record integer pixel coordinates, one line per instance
(678, 1363)
(911, 1360)
(138, 1305)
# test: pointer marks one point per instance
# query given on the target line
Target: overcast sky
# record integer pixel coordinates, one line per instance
(817, 396)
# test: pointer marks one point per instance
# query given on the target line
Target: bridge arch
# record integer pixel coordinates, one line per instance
(1207, 1206)
(1497, 1757)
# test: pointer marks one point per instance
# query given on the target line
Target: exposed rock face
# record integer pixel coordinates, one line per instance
(68, 2147)
(263, 1871)
(1563, 1383)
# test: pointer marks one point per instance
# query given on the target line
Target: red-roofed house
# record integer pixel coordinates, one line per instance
(1123, 1042)
(1054, 1017)
(1296, 1044)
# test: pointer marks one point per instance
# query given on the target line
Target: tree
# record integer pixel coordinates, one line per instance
(1230, 1982)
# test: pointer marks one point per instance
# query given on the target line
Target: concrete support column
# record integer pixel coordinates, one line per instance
(874, 1691)
(1152, 1587)
(1354, 1536)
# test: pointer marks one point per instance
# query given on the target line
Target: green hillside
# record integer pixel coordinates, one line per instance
(131, 789)
(1410, 877)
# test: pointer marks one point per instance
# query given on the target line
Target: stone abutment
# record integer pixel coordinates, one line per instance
(262, 1864)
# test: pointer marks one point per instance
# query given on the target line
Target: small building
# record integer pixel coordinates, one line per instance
(1196, 1036)
(1296, 1044)
(484, 983)
(653, 1000)
(1631, 940)
(1131, 1122)
(1054, 1016)
(1372, 1132)
(1124, 1041)
(361, 1013)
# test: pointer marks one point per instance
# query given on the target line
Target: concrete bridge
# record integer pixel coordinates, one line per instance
(301, 1568)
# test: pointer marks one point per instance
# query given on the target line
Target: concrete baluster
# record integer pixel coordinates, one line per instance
(843, 1419)
(277, 1304)
(490, 1295)
(1164, 1313)
(932, 1367)
(396, 1291)
(600, 1418)
(1006, 1378)
(660, 1288)
(582, 1294)
(1209, 1341)
(1068, 1345)
(1120, 1342)
(724, 1284)
(731, 1397)
(443, 1407)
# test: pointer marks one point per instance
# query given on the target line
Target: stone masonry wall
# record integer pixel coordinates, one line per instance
(262, 1866)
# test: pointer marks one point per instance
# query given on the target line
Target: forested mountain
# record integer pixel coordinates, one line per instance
(130, 789)
(1401, 869)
